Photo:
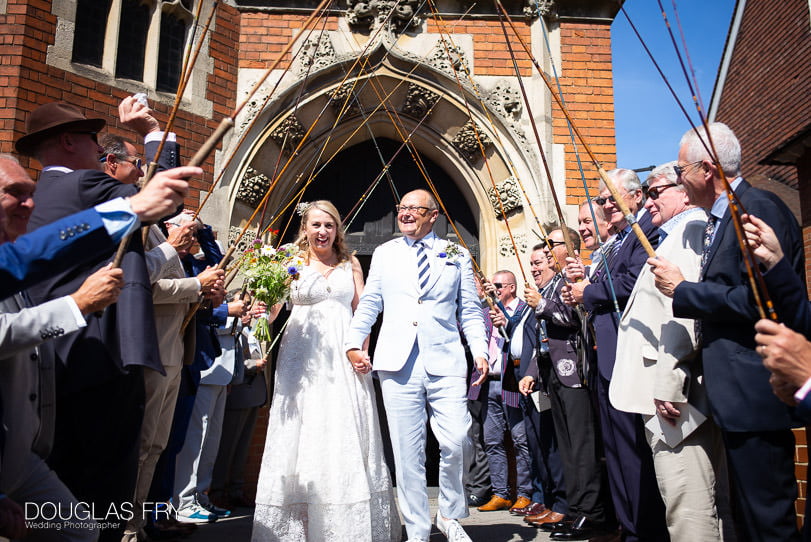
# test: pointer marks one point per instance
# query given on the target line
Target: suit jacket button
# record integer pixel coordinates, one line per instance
(415, 323)
(33, 397)
(62, 235)
(34, 356)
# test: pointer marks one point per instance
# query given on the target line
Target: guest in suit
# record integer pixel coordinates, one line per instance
(503, 411)
(99, 380)
(658, 373)
(27, 372)
(195, 462)
(248, 394)
(571, 405)
(631, 476)
(756, 426)
(420, 360)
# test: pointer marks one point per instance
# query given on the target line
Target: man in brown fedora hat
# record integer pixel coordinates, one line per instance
(99, 378)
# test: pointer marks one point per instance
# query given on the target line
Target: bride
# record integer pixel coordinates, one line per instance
(323, 476)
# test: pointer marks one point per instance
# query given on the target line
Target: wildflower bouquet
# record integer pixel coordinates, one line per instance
(268, 274)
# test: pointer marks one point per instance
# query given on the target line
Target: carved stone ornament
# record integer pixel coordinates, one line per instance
(419, 101)
(253, 187)
(233, 233)
(505, 246)
(370, 14)
(544, 8)
(288, 134)
(448, 58)
(506, 99)
(316, 53)
(466, 143)
(510, 194)
(339, 100)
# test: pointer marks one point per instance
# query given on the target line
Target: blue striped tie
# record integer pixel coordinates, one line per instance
(423, 268)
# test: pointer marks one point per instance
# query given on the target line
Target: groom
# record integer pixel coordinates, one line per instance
(426, 285)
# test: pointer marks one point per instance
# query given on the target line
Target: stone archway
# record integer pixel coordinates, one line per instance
(447, 136)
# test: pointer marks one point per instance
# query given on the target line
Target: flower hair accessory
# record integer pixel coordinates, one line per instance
(303, 207)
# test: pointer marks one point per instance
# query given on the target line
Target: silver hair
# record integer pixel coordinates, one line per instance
(627, 178)
(726, 145)
(665, 170)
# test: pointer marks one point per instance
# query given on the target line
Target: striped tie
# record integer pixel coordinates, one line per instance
(423, 268)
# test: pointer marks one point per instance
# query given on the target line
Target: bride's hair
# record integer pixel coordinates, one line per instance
(339, 245)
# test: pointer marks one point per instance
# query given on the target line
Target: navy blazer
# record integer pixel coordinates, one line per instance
(124, 334)
(52, 249)
(790, 297)
(737, 382)
(624, 267)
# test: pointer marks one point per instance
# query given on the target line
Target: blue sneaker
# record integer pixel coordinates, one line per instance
(196, 514)
(216, 510)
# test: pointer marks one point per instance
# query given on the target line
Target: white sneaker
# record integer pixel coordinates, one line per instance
(195, 514)
(452, 530)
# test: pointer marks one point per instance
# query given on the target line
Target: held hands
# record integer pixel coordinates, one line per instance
(99, 290)
(137, 116)
(667, 275)
(667, 411)
(761, 239)
(237, 307)
(572, 293)
(163, 194)
(360, 360)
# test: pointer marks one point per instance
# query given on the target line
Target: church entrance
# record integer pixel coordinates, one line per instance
(372, 221)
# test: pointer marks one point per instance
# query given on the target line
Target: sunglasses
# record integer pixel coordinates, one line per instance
(500, 285)
(655, 191)
(137, 162)
(599, 200)
(681, 170)
(552, 244)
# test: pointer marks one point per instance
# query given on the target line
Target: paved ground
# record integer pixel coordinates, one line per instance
(481, 526)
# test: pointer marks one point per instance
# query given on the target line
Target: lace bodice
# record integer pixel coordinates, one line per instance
(312, 287)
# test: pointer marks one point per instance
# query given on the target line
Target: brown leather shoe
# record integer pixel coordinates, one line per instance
(520, 505)
(552, 517)
(495, 503)
(540, 515)
(533, 509)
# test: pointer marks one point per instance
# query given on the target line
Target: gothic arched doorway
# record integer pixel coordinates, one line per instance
(345, 179)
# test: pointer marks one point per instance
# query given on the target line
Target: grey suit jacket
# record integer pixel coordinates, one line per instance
(27, 379)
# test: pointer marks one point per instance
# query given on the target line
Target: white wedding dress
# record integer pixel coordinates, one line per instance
(323, 477)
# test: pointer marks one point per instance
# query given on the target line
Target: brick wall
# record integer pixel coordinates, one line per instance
(588, 91)
(765, 98)
(28, 29)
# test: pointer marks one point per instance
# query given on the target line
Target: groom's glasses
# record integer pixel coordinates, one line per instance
(412, 209)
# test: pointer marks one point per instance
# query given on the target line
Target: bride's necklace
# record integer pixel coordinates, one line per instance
(324, 268)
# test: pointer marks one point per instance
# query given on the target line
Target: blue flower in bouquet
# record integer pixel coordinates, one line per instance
(268, 274)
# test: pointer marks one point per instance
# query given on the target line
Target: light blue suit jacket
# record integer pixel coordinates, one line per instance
(433, 319)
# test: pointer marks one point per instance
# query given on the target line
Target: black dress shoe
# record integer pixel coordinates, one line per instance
(477, 500)
(581, 528)
(557, 525)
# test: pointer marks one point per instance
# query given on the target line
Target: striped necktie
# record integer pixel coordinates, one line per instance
(423, 267)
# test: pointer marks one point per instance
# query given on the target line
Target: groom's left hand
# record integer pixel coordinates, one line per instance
(483, 368)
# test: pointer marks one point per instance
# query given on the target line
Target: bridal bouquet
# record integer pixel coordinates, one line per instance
(268, 274)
